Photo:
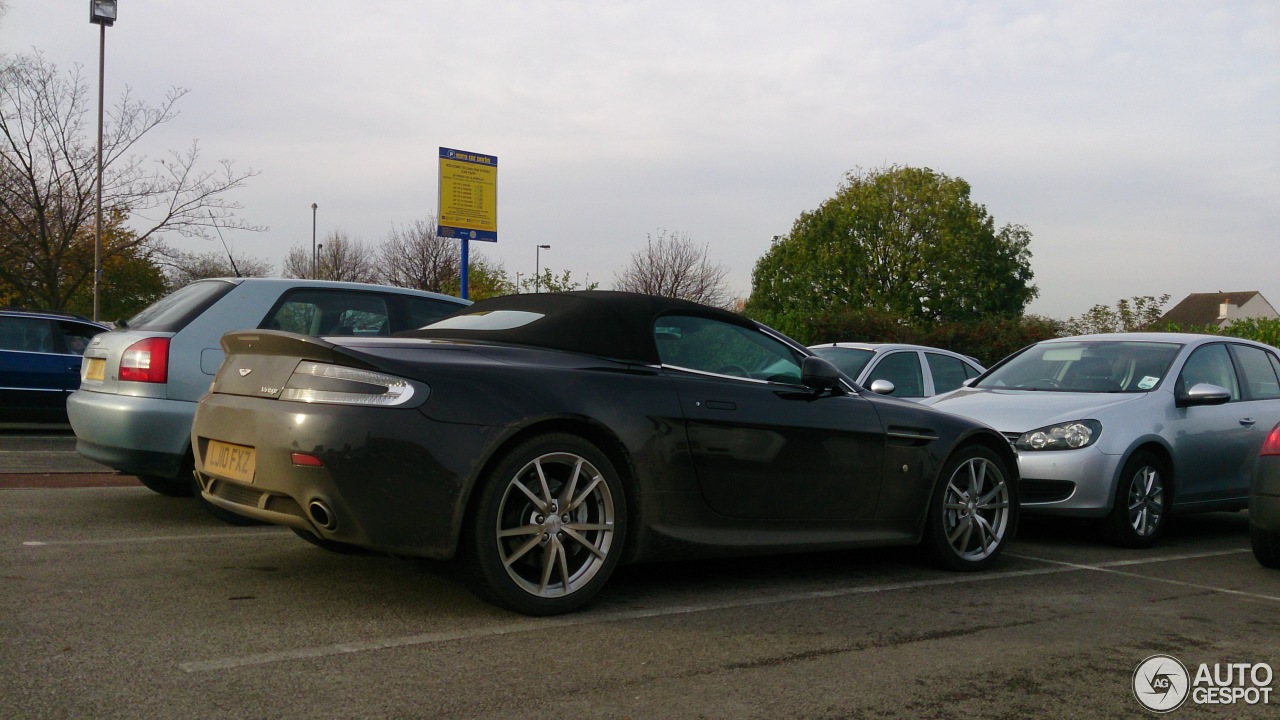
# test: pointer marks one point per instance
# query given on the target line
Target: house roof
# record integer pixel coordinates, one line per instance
(1199, 309)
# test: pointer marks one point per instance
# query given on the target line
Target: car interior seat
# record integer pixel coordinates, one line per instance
(1091, 374)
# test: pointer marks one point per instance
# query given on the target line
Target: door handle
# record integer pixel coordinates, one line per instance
(718, 405)
(1247, 421)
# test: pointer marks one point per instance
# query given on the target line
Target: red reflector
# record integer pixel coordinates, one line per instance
(1272, 444)
(146, 361)
(305, 460)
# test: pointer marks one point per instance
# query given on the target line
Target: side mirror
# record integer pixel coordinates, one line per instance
(882, 387)
(1204, 394)
(819, 374)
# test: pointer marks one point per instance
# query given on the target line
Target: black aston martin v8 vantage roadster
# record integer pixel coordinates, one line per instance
(543, 439)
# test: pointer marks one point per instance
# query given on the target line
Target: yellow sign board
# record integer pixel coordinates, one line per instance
(468, 195)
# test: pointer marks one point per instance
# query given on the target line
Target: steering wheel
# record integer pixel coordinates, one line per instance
(735, 370)
(1050, 382)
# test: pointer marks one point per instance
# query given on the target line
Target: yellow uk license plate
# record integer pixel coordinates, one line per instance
(236, 462)
(96, 369)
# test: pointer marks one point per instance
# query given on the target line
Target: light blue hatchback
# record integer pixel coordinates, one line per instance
(139, 383)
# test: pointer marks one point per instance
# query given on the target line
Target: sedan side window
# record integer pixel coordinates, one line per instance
(76, 336)
(948, 372)
(717, 347)
(328, 312)
(1209, 364)
(423, 312)
(1259, 378)
(26, 334)
(903, 370)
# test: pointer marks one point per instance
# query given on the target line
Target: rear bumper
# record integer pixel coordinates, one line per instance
(391, 479)
(136, 435)
(1264, 496)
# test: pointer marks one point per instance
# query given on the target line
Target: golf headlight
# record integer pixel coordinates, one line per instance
(314, 382)
(1063, 436)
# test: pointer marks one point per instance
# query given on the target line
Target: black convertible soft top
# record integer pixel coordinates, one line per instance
(614, 325)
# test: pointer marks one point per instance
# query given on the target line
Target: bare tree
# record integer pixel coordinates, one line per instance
(48, 181)
(673, 266)
(338, 258)
(182, 268)
(414, 256)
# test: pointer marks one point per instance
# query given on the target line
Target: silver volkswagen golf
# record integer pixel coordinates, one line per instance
(1129, 428)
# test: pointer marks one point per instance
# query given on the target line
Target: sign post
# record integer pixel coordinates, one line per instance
(468, 208)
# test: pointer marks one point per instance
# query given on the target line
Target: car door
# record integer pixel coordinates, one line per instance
(762, 444)
(1214, 445)
(947, 373)
(72, 338)
(32, 371)
(902, 368)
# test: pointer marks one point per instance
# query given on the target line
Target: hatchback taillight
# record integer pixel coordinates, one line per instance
(146, 361)
(1272, 444)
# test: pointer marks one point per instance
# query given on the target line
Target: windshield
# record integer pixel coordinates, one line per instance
(1085, 366)
(849, 360)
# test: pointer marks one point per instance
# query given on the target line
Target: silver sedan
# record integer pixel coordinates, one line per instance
(1130, 428)
(903, 371)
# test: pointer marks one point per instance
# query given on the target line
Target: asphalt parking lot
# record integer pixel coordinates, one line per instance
(122, 603)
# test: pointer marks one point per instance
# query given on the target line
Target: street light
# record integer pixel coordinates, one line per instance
(103, 14)
(313, 240)
(315, 273)
(537, 265)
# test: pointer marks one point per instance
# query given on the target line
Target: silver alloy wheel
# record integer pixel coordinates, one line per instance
(976, 505)
(1146, 501)
(555, 525)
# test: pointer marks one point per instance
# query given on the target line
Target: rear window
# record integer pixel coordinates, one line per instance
(174, 311)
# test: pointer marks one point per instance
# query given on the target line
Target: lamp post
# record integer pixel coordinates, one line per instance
(103, 14)
(537, 266)
(315, 272)
(313, 240)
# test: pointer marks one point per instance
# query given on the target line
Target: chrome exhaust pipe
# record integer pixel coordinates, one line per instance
(321, 515)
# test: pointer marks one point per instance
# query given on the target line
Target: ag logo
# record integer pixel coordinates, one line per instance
(1161, 683)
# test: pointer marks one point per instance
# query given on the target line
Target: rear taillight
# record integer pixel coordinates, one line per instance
(146, 361)
(1272, 444)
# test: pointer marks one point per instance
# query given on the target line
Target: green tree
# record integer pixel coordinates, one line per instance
(902, 240)
(1133, 315)
(550, 282)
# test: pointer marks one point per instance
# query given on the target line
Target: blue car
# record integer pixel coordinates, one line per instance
(40, 363)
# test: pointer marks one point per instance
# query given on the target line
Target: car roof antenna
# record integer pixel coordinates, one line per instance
(214, 220)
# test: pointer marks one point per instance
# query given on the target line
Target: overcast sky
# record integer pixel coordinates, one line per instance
(1138, 141)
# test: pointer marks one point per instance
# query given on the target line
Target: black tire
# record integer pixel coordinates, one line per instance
(1140, 508)
(548, 527)
(974, 510)
(171, 487)
(1266, 546)
(331, 545)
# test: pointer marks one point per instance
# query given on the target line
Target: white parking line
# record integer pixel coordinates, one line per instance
(588, 618)
(1107, 567)
(265, 532)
